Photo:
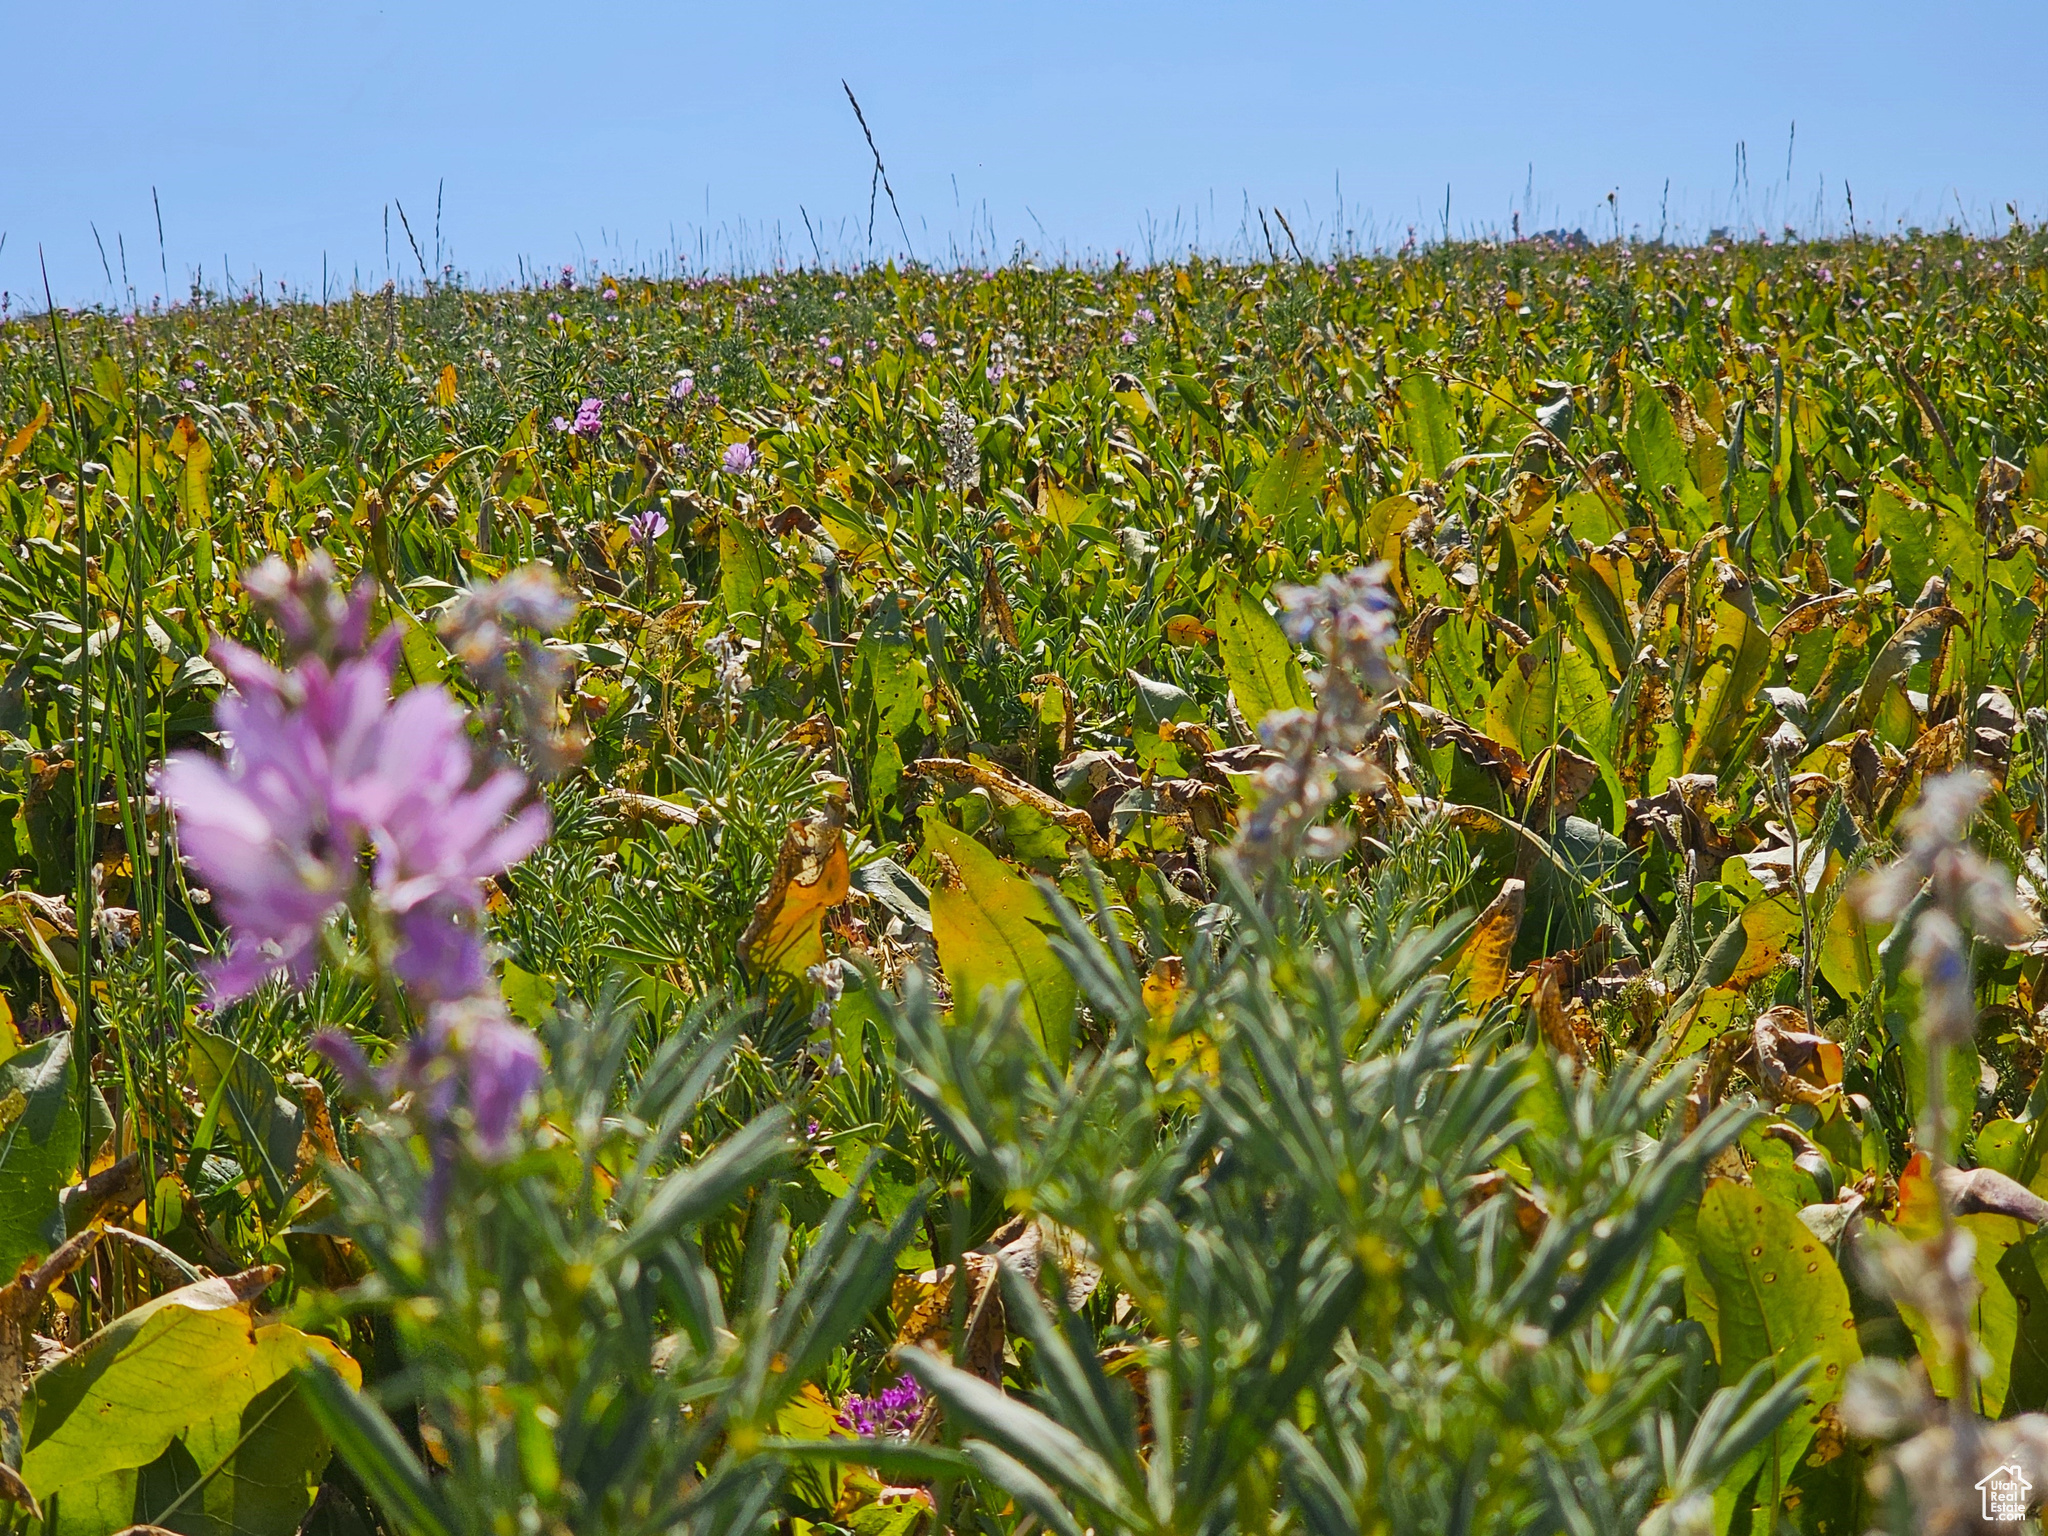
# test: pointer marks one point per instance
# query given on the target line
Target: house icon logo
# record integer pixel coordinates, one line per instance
(2005, 1491)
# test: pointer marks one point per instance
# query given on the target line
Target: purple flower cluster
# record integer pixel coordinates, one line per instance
(891, 1413)
(645, 527)
(325, 767)
(589, 418)
(470, 1057)
(739, 459)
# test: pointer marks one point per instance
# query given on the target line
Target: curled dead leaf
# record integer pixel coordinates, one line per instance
(1484, 958)
(1008, 789)
(1789, 1062)
(811, 877)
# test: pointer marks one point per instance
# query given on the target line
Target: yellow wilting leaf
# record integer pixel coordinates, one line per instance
(1484, 959)
(1185, 631)
(444, 388)
(1165, 1052)
(811, 877)
(1551, 1018)
(991, 929)
(196, 1370)
(17, 445)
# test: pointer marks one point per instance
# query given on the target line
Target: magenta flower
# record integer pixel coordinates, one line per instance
(928, 339)
(589, 418)
(1127, 338)
(739, 459)
(436, 840)
(891, 1413)
(560, 423)
(684, 386)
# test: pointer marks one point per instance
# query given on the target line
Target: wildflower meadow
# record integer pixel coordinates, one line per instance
(1383, 895)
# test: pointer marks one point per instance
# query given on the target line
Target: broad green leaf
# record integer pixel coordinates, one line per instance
(1541, 691)
(1780, 1298)
(1994, 1317)
(744, 566)
(1701, 1304)
(1730, 674)
(182, 1413)
(1157, 704)
(1457, 670)
(2020, 1269)
(1655, 450)
(1848, 943)
(992, 932)
(1431, 424)
(39, 1147)
(1290, 481)
(243, 1100)
(1259, 664)
(889, 681)
(1911, 531)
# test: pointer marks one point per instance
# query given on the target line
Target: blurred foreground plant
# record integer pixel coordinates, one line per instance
(572, 1360)
(1379, 1269)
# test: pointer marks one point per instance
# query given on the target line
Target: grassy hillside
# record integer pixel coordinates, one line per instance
(1413, 1103)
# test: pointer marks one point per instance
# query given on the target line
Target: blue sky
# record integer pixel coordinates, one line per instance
(634, 135)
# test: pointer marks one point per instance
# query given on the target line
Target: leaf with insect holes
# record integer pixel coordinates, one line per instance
(1781, 1298)
(39, 1146)
(1431, 424)
(1290, 482)
(1258, 663)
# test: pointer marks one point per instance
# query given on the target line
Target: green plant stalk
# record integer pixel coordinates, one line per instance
(83, 798)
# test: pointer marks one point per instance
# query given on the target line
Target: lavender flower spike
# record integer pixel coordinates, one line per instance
(274, 830)
(323, 765)
(1350, 620)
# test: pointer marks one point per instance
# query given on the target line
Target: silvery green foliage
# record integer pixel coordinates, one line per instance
(564, 1339)
(1355, 1319)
